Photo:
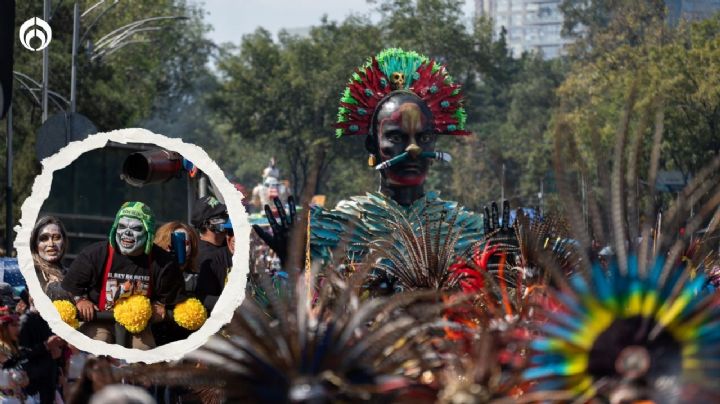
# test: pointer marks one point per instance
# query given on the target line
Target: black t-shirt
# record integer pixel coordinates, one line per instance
(206, 252)
(158, 277)
(213, 276)
(41, 368)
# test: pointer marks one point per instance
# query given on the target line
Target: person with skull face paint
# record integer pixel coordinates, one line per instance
(400, 101)
(48, 246)
(129, 264)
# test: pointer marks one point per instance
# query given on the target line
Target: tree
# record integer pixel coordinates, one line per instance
(282, 97)
(670, 69)
(120, 90)
(285, 93)
(599, 26)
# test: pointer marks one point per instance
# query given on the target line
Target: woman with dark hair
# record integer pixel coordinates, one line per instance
(96, 374)
(48, 245)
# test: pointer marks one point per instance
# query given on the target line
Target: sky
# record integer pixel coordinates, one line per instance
(231, 19)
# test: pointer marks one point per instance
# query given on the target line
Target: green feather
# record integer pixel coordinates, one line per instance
(397, 60)
(461, 117)
(348, 98)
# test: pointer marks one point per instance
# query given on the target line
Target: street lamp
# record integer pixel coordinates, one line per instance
(53, 96)
(108, 44)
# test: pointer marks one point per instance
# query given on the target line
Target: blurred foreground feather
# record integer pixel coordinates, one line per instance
(639, 324)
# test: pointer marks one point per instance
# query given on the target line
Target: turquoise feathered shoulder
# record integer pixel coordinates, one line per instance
(356, 222)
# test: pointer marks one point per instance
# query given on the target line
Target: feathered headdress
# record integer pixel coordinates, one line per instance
(398, 70)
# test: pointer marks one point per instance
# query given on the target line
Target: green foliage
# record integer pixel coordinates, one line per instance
(603, 25)
(146, 78)
(282, 97)
(278, 96)
(286, 92)
(677, 65)
(673, 68)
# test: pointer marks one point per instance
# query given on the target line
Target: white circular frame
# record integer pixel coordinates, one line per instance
(233, 293)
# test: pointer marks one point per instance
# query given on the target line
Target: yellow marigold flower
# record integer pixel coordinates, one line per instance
(190, 314)
(68, 312)
(133, 313)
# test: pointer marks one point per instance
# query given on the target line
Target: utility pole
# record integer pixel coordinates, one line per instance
(73, 68)
(8, 183)
(45, 66)
(502, 184)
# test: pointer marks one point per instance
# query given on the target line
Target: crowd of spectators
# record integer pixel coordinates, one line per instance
(40, 367)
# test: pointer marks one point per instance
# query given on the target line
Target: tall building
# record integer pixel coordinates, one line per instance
(691, 9)
(535, 25)
(530, 24)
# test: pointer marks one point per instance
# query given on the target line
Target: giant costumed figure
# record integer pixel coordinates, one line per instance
(400, 101)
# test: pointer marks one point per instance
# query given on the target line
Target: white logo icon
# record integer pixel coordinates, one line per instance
(35, 28)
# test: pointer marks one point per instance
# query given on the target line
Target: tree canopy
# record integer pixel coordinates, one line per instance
(277, 95)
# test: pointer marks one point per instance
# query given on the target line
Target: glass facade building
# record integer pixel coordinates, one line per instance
(530, 24)
(536, 25)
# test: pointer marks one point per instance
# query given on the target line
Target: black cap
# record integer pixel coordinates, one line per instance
(7, 295)
(205, 208)
(6, 289)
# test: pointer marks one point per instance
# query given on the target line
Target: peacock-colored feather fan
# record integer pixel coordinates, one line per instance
(636, 320)
(659, 330)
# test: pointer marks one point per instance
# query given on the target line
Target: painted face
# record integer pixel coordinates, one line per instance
(404, 124)
(130, 236)
(50, 243)
(188, 246)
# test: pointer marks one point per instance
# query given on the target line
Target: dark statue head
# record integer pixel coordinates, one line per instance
(403, 123)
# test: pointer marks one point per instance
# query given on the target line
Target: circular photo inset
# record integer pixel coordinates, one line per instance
(128, 242)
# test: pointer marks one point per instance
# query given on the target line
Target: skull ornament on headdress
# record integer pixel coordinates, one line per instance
(133, 230)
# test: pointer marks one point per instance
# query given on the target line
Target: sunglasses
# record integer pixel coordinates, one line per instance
(216, 228)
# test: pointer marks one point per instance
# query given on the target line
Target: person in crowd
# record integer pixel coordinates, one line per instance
(12, 378)
(214, 273)
(75, 365)
(208, 216)
(7, 296)
(127, 264)
(96, 375)
(48, 245)
(190, 268)
(169, 331)
(122, 394)
(40, 351)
